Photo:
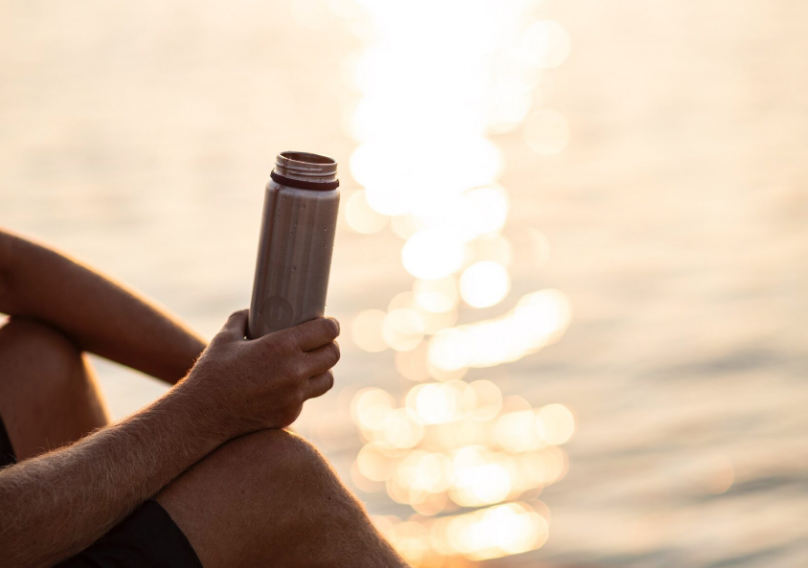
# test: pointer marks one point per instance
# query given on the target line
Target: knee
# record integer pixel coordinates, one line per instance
(257, 474)
(269, 496)
(270, 467)
(37, 355)
(278, 454)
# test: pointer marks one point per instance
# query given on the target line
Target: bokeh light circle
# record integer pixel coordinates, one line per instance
(433, 253)
(366, 330)
(484, 284)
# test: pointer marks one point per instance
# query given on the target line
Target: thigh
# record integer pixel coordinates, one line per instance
(48, 391)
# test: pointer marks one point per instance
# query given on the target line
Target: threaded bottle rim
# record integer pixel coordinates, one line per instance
(305, 166)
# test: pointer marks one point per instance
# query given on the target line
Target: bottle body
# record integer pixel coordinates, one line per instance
(294, 253)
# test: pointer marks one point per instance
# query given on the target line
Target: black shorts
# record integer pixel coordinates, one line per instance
(148, 538)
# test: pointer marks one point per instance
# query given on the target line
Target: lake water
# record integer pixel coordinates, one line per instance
(139, 136)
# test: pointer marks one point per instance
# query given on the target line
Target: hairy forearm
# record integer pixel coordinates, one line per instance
(57, 504)
(99, 315)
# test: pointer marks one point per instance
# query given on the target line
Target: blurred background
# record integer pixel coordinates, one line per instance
(572, 259)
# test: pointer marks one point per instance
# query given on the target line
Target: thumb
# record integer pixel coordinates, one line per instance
(236, 325)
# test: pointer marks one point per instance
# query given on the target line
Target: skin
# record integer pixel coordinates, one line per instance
(271, 499)
(48, 392)
(96, 313)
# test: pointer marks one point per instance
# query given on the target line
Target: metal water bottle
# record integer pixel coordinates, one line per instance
(297, 238)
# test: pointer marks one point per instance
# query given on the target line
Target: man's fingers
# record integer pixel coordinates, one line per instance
(315, 333)
(320, 384)
(321, 359)
(236, 324)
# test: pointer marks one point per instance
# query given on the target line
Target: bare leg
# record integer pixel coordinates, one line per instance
(270, 499)
(48, 392)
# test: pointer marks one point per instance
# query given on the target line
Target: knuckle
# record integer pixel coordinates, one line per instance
(330, 326)
(284, 343)
(220, 337)
(300, 369)
(335, 352)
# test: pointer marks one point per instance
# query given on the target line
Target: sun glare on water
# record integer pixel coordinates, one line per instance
(435, 81)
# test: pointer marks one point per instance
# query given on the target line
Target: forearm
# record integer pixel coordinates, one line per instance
(57, 504)
(99, 315)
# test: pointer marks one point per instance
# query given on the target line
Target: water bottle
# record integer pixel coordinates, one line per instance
(296, 241)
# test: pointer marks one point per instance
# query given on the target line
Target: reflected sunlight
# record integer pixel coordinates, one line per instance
(426, 110)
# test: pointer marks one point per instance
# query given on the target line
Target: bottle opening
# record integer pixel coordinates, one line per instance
(305, 166)
(307, 158)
